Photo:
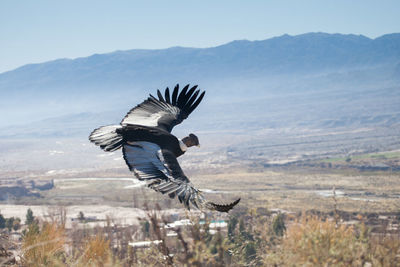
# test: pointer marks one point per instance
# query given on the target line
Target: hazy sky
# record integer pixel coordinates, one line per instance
(34, 31)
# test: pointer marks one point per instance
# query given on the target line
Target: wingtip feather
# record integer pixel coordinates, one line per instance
(182, 97)
(160, 97)
(167, 98)
(194, 106)
(175, 94)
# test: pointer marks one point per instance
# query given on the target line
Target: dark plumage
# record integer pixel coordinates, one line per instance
(137, 133)
(149, 148)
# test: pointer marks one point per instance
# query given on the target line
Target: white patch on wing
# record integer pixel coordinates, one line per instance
(144, 118)
(150, 112)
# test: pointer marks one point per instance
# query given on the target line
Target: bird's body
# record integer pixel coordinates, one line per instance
(151, 151)
(165, 140)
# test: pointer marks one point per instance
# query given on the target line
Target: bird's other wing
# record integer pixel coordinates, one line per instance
(161, 170)
(166, 112)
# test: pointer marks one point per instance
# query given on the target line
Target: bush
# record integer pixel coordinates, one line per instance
(312, 241)
(16, 224)
(9, 223)
(29, 217)
(96, 251)
(43, 247)
(318, 242)
(81, 216)
(278, 225)
(2, 222)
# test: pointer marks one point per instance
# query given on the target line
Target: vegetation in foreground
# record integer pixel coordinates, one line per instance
(251, 238)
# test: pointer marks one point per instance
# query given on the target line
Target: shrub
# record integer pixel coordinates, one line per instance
(2, 222)
(96, 251)
(318, 242)
(29, 217)
(81, 216)
(312, 241)
(16, 224)
(9, 223)
(43, 247)
(278, 225)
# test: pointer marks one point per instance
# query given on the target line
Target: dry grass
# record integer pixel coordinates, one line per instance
(253, 238)
(312, 241)
(385, 251)
(44, 247)
(48, 246)
(97, 252)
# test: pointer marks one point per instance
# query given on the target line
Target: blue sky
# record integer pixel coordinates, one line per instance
(37, 31)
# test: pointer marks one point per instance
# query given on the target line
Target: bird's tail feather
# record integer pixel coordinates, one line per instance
(221, 207)
(107, 137)
(201, 202)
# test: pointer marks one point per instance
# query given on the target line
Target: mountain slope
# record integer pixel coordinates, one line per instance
(65, 86)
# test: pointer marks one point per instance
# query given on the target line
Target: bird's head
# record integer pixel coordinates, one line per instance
(191, 140)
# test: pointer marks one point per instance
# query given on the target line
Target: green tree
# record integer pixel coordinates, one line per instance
(9, 223)
(233, 221)
(16, 224)
(32, 229)
(81, 216)
(241, 226)
(2, 222)
(250, 252)
(29, 217)
(146, 228)
(278, 225)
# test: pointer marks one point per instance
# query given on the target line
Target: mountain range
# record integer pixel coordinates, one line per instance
(239, 70)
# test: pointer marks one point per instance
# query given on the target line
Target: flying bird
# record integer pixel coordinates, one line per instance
(151, 151)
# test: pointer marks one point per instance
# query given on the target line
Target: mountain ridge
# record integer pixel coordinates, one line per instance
(390, 36)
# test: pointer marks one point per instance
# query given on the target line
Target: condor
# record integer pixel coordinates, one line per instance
(151, 151)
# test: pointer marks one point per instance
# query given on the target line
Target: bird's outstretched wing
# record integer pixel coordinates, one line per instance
(161, 170)
(166, 111)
